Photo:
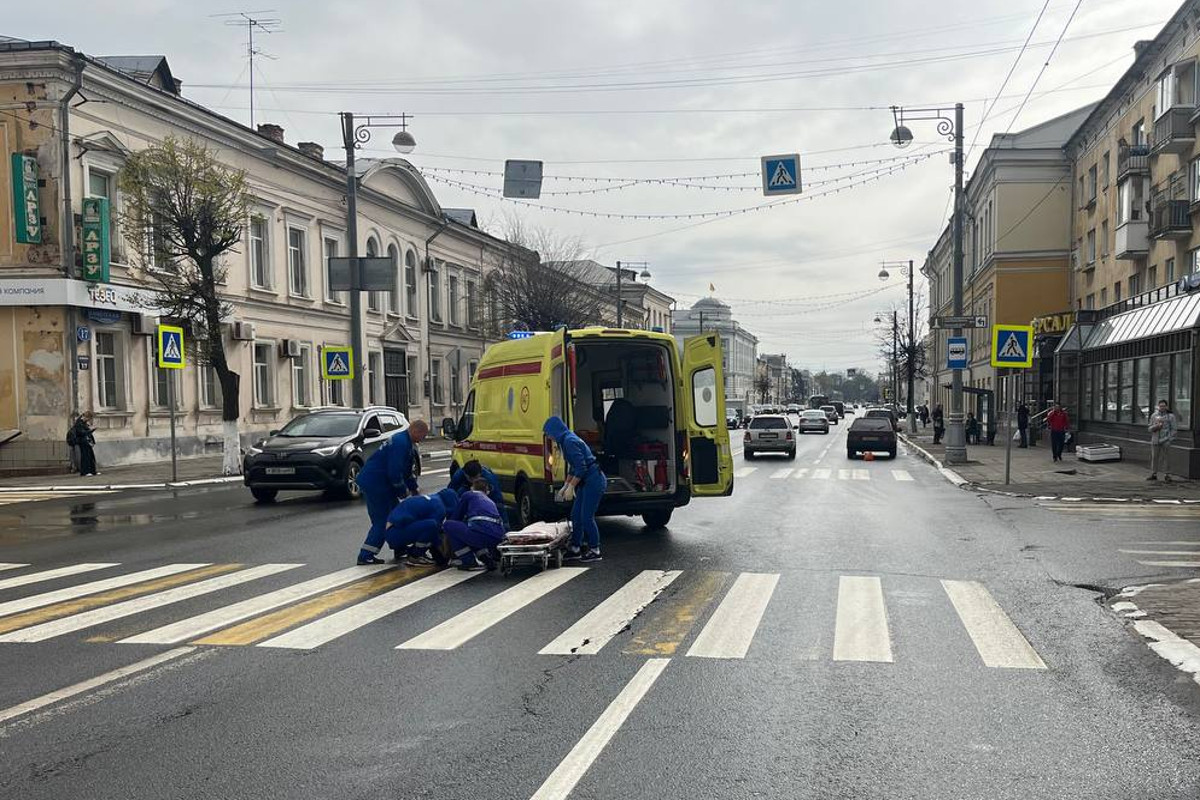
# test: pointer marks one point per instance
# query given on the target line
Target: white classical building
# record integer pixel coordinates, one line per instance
(72, 346)
(738, 345)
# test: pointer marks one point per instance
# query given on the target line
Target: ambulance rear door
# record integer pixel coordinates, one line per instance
(703, 417)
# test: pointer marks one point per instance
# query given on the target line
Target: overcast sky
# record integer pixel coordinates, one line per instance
(677, 89)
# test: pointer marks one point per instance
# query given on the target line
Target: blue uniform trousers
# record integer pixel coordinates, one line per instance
(381, 499)
(583, 512)
(473, 539)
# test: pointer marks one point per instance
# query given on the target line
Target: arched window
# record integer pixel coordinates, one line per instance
(394, 295)
(374, 299)
(411, 303)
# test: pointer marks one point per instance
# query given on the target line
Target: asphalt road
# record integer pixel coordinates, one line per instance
(872, 633)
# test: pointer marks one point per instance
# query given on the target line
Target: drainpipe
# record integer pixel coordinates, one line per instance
(429, 321)
(67, 225)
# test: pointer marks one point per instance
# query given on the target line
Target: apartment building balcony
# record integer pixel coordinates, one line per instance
(1133, 160)
(1132, 240)
(1174, 131)
(1171, 219)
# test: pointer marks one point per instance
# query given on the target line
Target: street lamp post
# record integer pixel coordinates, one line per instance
(354, 135)
(910, 346)
(951, 128)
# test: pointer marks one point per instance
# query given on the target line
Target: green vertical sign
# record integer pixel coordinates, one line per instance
(96, 244)
(27, 205)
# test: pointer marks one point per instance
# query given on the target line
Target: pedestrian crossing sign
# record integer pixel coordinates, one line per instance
(781, 174)
(1012, 346)
(337, 364)
(170, 347)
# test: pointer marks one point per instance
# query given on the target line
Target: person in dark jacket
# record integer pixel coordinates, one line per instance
(939, 423)
(83, 437)
(587, 482)
(474, 528)
(1023, 423)
(462, 479)
(385, 479)
(415, 527)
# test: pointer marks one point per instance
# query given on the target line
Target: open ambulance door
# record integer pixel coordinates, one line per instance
(703, 415)
(563, 380)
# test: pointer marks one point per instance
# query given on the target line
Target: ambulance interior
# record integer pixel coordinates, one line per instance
(624, 408)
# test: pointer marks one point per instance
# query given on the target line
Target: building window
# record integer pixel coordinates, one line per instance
(455, 384)
(410, 286)
(1135, 284)
(165, 381)
(435, 293)
(1170, 270)
(264, 374)
(260, 265)
(1109, 411)
(162, 251)
(435, 382)
(1125, 392)
(110, 383)
(302, 378)
(374, 299)
(1137, 134)
(374, 373)
(452, 298)
(210, 388)
(1104, 239)
(393, 295)
(1117, 292)
(1104, 170)
(1130, 201)
(101, 184)
(472, 304)
(1091, 184)
(1162, 381)
(1142, 404)
(1152, 278)
(1091, 246)
(413, 376)
(1103, 297)
(330, 250)
(1183, 389)
(297, 262)
(1088, 410)
(471, 367)
(336, 392)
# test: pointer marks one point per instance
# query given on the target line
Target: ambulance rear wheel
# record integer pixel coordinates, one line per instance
(526, 513)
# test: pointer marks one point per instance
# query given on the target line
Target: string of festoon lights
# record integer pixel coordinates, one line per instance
(496, 194)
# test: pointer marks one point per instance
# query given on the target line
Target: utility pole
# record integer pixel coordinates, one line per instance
(620, 315)
(911, 360)
(956, 439)
(356, 327)
(895, 358)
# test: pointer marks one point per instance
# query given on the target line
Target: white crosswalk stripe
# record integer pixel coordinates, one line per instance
(33, 496)
(11, 566)
(744, 472)
(861, 627)
(802, 472)
(97, 616)
(821, 474)
(731, 628)
(860, 475)
(999, 642)
(901, 475)
(51, 574)
(782, 473)
(222, 617)
(843, 474)
(315, 634)
(602, 623)
(474, 621)
(95, 587)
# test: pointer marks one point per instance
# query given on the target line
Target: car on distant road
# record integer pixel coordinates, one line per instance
(831, 414)
(839, 406)
(884, 412)
(321, 450)
(769, 433)
(870, 435)
(813, 419)
(732, 421)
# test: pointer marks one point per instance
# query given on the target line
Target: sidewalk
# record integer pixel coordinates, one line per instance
(1169, 616)
(205, 469)
(1035, 475)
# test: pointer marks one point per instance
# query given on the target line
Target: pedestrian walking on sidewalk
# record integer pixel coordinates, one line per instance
(924, 416)
(1059, 423)
(82, 437)
(1162, 431)
(939, 423)
(1023, 424)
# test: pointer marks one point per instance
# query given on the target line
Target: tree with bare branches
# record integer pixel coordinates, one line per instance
(542, 282)
(911, 357)
(182, 210)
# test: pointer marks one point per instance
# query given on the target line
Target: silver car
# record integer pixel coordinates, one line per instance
(770, 433)
(814, 419)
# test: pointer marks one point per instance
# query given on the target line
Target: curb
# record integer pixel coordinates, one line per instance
(963, 483)
(111, 487)
(1165, 643)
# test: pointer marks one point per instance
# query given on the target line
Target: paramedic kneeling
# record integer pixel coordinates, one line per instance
(474, 528)
(415, 527)
(462, 479)
(587, 483)
(387, 477)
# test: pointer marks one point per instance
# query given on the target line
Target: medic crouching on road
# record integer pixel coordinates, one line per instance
(385, 479)
(415, 527)
(586, 484)
(474, 528)
(461, 480)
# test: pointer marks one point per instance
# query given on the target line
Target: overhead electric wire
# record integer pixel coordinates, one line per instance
(1042, 71)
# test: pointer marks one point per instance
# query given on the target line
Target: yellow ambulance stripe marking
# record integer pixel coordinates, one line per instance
(673, 617)
(264, 627)
(39, 615)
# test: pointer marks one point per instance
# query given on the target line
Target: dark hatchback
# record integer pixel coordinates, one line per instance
(871, 435)
(321, 450)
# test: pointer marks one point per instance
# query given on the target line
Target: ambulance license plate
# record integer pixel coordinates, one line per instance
(281, 470)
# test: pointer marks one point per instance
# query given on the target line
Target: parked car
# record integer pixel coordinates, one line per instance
(870, 434)
(769, 433)
(813, 419)
(321, 450)
(884, 412)
(840, 407)
(831, 414)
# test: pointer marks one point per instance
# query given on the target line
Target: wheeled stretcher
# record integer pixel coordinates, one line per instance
(540, 544)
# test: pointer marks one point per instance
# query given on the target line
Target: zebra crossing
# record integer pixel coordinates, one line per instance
(823, 473)
(36, 495)
(718, 615)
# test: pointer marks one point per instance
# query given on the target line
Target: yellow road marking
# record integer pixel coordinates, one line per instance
(269, 625)
(39, 615)
(668, 624)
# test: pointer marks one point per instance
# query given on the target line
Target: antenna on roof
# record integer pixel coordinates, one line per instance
(252, 21)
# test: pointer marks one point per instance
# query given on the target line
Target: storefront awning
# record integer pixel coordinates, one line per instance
(1074, 339)
(1177, 314)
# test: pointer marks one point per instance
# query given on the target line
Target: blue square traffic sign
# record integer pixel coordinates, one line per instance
(956, 352)
(781, 174)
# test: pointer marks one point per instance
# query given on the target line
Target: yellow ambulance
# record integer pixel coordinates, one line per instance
(654, 417)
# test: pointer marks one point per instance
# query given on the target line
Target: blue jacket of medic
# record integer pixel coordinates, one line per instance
(392, 465)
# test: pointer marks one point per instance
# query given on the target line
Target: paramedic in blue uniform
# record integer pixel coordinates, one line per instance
(474, 528)
(385, 479)
(415, 527)
(462, 479)
(587, 480)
